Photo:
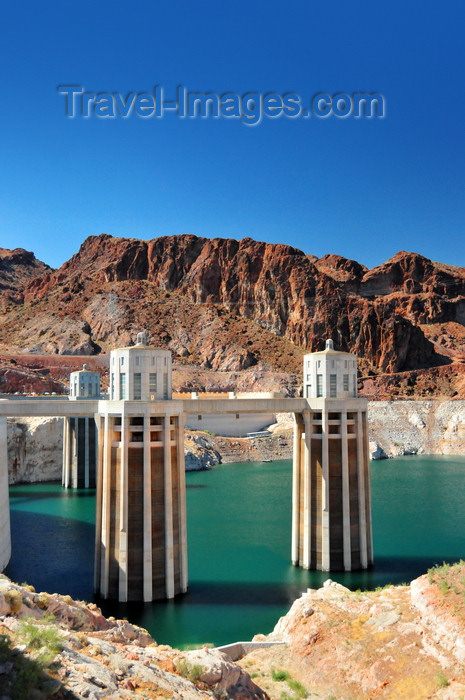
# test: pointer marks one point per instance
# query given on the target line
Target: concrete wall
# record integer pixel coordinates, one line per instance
(232, 424)
(5, 540)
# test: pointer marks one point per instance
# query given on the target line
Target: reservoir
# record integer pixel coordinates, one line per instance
(239, 533)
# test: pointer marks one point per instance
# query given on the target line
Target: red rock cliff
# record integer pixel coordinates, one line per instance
(380, 314)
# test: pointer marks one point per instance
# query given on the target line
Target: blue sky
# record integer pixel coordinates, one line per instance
(360, 188)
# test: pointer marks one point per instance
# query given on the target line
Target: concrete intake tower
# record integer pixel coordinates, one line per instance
(331, 521)
(141, 548)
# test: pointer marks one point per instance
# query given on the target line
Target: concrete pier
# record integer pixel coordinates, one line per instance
(79, 453)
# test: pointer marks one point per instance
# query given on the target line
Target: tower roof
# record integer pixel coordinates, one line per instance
(329, 350)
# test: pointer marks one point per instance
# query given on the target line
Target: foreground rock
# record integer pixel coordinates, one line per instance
(51, 645)
(398, 642)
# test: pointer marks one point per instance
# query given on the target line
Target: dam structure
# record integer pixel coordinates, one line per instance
(80, 434)
(141, 539)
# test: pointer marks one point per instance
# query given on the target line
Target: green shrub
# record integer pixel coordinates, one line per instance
(190, 671)
(43, 600)
(299, 690)
(44, 640)
(280, 675)
(441, 681)
(27, 674)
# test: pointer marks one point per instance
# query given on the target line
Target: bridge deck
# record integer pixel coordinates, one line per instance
(45, 407)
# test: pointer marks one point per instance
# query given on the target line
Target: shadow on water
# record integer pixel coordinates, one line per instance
(52, 553)
(30, 496)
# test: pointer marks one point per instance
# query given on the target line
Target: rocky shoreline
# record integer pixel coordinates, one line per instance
(53, 646)
(396, 642)
(416, 427)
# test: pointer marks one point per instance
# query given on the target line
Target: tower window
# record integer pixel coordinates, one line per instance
(332, 385)
(345, 382)
(153, 383)
(122, 386)
(137, 386)
(319, 385)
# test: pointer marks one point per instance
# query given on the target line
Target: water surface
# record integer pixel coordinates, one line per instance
(239, 532)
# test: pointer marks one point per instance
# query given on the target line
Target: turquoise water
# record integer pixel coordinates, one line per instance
(239, 531)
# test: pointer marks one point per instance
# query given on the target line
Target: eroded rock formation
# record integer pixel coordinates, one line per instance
(398, 642)
(35, 449)
(53, 646)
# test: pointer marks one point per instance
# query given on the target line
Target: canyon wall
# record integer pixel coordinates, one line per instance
(35, 449)
(416, 427)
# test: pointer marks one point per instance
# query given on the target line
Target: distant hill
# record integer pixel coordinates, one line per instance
(227, 305)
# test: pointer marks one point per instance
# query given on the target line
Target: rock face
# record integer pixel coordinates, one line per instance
(399, 642)
(35, 449)
(417, 427)
(94, 657)
(376, 451)
(199, 452)
(228, 305)
(17, 268)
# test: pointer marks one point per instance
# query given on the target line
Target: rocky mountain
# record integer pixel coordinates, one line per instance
(227, 305)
